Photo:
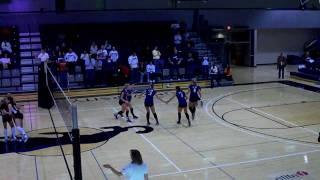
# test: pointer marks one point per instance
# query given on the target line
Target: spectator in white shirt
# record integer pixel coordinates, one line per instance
(83, 57)
(102, 53)
(114, 55)
(205, 67)
(108, 46)
(71, 59)
(136, 170)
(5, 61)
(43, 56)
(156, 53)
(151, 72)
(90, 64)
(133, 62)
(214, 75)
(93, 48)
(6, 46)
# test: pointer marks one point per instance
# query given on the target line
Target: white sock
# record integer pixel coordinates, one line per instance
(21, 130)
(5, 132)
(13, 132)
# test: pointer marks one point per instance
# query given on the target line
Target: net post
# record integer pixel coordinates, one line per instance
(76, 144)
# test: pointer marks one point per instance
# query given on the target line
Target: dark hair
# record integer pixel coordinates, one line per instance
(136, 157)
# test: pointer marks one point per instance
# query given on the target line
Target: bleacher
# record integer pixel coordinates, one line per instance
(10, 77)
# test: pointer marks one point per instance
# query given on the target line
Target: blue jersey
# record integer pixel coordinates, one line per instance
(126, 94)
(181, 96)
(150, 92)
(194, 90)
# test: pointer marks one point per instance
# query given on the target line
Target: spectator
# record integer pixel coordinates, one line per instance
(136, 170)
(43, 56)
(174, 62)
(83, 57)
(158, 62)
(133, 63)
(64, 47)
(151, 72)
(205, 67)
(309, 61)
(6, 47)
(108, 46)
(142, 70)
(156, 55)
(228, 73)
(146, 55)
(177, 40)
(71, 58)
(5, 61)
(102, 53)
(63, 72)
(281, 64)
(90, 64)
(123, 73)
(98, 71)
(214, 75)
(114, 55)
(191, 66)
(108, 71)
(93, 48)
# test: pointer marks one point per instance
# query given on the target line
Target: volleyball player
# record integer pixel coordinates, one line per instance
(129, 90)
(17, 117)
(194, 93)
(149, 104)
(182, 104)
(124, 103)
(7, 118)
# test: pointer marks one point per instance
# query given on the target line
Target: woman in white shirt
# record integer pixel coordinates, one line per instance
(136, 170)
(151, 69)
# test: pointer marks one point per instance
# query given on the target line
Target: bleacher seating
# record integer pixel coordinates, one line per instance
(10, 77)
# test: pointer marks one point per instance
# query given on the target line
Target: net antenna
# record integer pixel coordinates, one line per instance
(69, 115)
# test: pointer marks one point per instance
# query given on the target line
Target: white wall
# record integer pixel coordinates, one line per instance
(270, 42)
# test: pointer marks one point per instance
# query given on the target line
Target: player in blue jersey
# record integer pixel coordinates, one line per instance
(129, 92)
(149, 103)
(182, 104)
(194, 93)
(124, 101)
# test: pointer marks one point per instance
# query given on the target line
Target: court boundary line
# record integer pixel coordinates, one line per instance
(94, 157)
(194, 150)
(246, 130)
(156, 148)
(273, 116)
(36, 165)
(239, 163)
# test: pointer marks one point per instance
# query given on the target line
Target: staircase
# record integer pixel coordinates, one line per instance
(30, 47)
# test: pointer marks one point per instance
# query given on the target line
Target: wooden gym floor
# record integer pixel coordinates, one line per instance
(259, 131)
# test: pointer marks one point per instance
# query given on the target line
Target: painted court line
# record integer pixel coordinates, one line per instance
(238, 163)
(156, 148)
(94, 156)
(273, 116)
(248, 132)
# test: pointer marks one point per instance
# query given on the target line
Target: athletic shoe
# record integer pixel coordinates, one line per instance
(25, 138)
(157, 123)
(148, 124)
(116, 115)
(128, 120)
(178, 122)
(14, 138)
(135, 117)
